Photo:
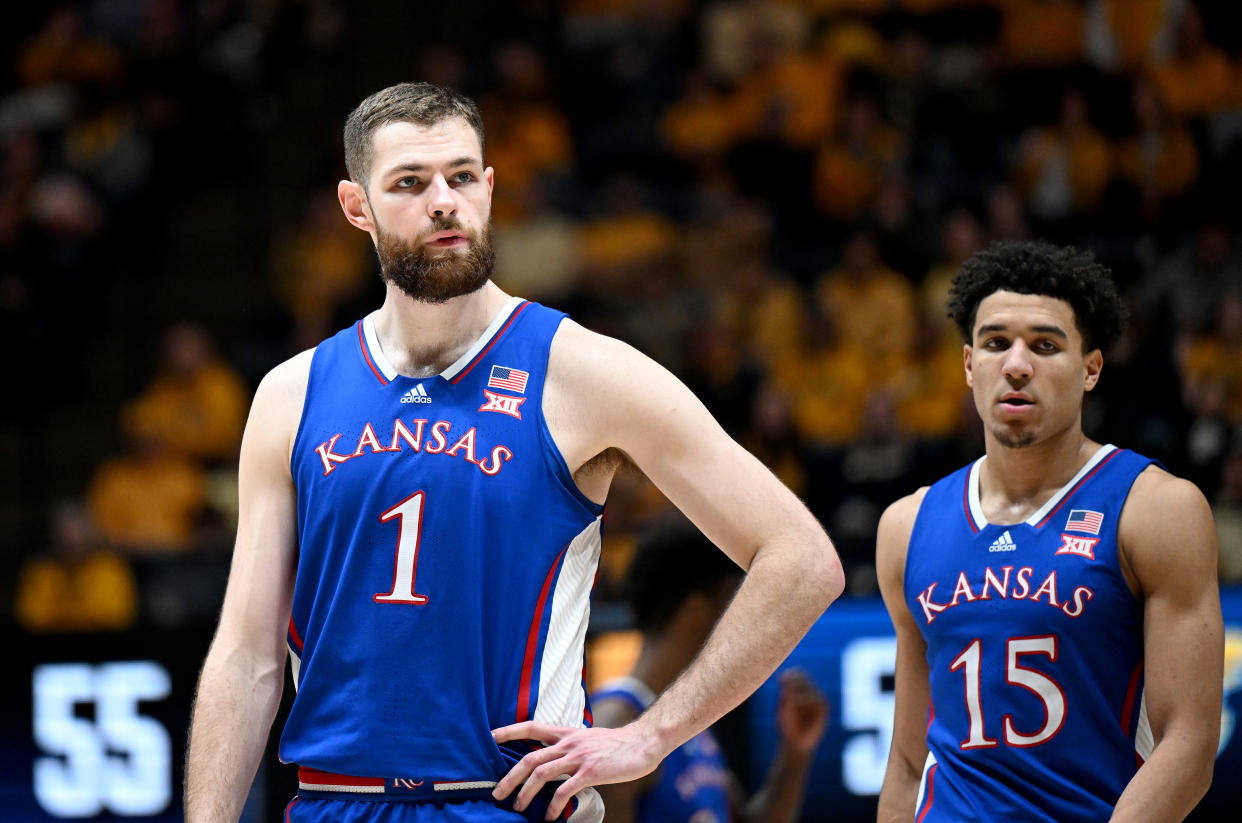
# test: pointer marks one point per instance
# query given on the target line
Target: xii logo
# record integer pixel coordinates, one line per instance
(503, 404)
(1081, 546)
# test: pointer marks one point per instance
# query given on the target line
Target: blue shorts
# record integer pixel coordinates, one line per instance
(334, 810)
(372, 800)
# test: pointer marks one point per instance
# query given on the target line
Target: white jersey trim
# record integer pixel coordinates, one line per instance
(1144, 739)
(976, 507)
(378, 357)
(927, 764)
(390, 372)
(499, 320)
(295, 666)
(562, 699)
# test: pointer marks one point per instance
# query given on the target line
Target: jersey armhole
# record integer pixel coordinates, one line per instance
(552, 452)
(914, 529)
(297, 437)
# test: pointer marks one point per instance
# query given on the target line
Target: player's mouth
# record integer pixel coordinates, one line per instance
(448, 239)
(1016, 402)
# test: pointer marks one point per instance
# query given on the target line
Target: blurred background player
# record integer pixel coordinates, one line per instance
(678, 585)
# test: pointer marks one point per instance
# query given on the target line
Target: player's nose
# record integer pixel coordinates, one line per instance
(1018, 361)
(440, 197)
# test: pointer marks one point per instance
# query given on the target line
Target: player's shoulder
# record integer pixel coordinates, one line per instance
(282, 391)
(574, 345)
(585, 361)
(895, 528)
(901, 513)
(289, 375)
(1158, 496)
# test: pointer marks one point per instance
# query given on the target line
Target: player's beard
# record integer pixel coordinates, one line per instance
(1014, 439)
(436, 278)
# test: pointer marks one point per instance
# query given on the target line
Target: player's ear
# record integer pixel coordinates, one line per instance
(970, 376)
(1094, 363)
(353, 199)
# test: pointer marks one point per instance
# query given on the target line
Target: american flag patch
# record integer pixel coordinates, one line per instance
(1084, 520)
(510, 379)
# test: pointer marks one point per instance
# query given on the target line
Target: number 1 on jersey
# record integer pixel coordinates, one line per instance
(409, 516)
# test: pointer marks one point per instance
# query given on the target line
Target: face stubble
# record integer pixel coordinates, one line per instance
(436, 278)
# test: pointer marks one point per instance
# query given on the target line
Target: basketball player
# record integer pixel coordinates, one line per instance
(678, 585)
(421, 506)
(1059, 637)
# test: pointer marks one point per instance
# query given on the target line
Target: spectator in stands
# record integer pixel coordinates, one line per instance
(1197, 78)
(196, 404)
(871, 306)
(849, 167)
(1158, 159)
(148, 500)
(1190, 282)
(1063, 169)
(78, 585)
(1123, 36)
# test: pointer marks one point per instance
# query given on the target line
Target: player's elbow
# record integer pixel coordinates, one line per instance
(824, 571)
(1202, 765)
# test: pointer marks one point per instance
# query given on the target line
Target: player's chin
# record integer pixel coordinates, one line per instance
(1015, 435)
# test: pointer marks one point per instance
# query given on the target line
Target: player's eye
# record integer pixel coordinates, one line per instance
(463, 177)
(407, 182)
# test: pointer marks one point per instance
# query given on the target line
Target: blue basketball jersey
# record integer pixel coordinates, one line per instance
(693, 783)
(1035, 651)
(445, 561)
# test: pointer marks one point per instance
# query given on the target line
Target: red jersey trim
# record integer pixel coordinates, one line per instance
(496, 337)
(1069, 494)
(532, 641)
(366, 354)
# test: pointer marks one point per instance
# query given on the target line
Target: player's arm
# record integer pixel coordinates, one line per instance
(801, 717)
(912, 697)
(620, 799)
(1168, 539)
(620, 399)
(240, 685)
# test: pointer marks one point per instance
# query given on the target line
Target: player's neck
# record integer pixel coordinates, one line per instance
(423, 339)
(1015, 482)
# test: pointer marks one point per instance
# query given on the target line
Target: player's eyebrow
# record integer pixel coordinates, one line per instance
(1055, 331)
(464, 160)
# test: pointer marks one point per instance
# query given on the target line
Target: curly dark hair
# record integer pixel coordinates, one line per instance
(1036, 267)
(671, 562)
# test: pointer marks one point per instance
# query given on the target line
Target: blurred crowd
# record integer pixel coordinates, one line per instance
(770, 197)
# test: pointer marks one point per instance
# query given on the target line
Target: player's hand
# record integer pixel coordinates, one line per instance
(590, 757)
(801, 712)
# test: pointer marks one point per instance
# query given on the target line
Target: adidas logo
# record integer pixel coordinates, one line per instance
(1004, 543)
(416, 395)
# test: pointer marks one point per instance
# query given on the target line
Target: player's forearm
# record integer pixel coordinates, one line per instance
(899, 794)
(1169, 785)
(788, 586)
(233, 713)
(780, 798)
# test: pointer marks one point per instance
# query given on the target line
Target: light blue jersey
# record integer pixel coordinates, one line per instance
(445, 565)
(1035, 651)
